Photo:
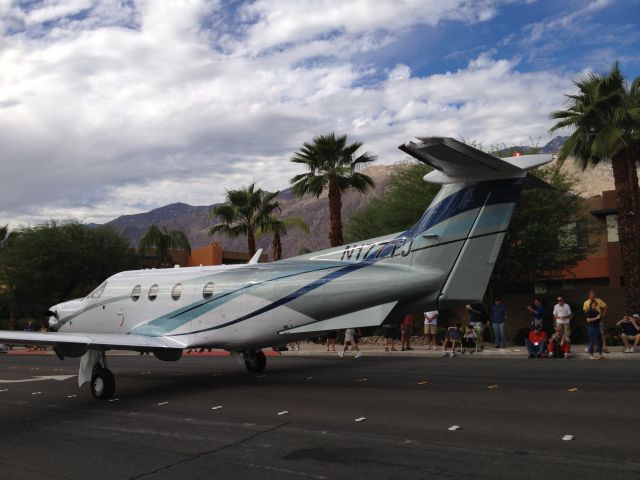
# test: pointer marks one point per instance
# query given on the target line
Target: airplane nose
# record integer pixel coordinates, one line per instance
(53, 318)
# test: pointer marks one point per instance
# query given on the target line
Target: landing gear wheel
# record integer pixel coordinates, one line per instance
(255, 361)
(103, 384)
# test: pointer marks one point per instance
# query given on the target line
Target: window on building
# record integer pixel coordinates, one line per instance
(574, 234)
(135, 293)
(207, 291)
(176, 291)
(153, 292)
(612, 228)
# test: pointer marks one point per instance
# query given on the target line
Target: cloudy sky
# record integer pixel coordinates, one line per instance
(120, 106)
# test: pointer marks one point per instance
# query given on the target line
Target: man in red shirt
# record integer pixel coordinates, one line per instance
(407, 330)
(537, 342)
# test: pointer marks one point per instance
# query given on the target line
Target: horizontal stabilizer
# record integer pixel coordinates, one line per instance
(369, 317)
(455, 162)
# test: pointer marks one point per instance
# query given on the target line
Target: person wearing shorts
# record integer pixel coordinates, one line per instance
(562, 316)
(350, 337)
(332, 336)
(430, 329)
(389, 333)
(406, 329)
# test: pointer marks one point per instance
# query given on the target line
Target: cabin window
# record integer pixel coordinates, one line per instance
(207, 291)
(135, 293)
(153, 292)
(97, 293)
(176, 291)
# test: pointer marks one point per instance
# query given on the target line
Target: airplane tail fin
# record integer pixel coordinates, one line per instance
(468, 219)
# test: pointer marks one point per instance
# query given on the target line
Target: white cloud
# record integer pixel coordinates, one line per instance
(98, 119)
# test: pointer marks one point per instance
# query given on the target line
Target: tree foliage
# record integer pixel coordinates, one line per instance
(280, 227)
(332, 164)
(605, 118)
(53, 262)
(245, 211)
(546, 237)
(405, 198)
(161, 241)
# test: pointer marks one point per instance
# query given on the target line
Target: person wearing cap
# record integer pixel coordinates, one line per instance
(630, 326)
(537, 342)
(559, 345)
(562, 316)
(602, 309)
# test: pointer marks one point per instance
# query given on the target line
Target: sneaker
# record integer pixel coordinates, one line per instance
(601, 357)
(341, 354)
(444, 354)
(593, 357)
(586, 350)
(567, 355)
(452, 354)
(358, 355)
(627, 350)
(606, 350)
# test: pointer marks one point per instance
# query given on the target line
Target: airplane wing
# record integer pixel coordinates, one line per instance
(90, 340)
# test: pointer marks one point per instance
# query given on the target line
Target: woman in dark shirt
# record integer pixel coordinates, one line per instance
(593, 329)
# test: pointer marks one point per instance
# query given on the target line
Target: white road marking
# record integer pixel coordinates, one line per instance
(40, 378)
(453, 428)
(162, 403)
(361, 419)
(284, 412)
(217, 407)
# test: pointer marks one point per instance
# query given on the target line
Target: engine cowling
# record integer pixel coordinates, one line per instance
(168, 354)
(71, 350)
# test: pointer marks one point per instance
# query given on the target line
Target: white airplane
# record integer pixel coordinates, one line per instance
(444, 260)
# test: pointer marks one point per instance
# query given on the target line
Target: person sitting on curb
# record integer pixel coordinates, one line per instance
(559, 344)
(469, 339)
(537, 342)
(630, 331)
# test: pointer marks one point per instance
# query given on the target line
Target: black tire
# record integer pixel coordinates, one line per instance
(103, 384)
(255, 361)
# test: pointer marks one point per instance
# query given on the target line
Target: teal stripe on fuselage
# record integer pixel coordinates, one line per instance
(180, 317)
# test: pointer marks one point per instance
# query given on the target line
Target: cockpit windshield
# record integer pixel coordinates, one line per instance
(97, 293)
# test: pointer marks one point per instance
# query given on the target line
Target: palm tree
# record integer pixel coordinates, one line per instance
(279, 227)
(245, 211)
(331, 163)
(606, 117)
(162, 240)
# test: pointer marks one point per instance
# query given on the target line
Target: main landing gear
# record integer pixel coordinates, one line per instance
(103, 383)
(254, 360)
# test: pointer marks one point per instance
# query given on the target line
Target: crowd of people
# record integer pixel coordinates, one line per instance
(469, 337)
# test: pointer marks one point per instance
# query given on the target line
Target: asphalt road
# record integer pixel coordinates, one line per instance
(513, 414)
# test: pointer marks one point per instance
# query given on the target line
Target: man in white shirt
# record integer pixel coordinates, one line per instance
(430, 329)
(562, 316)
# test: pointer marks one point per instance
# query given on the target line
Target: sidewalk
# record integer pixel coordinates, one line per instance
(577, 352)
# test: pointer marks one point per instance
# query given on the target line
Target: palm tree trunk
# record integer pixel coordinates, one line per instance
(628, 196)
(251, 241)
(335, 214)
(276, 247)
